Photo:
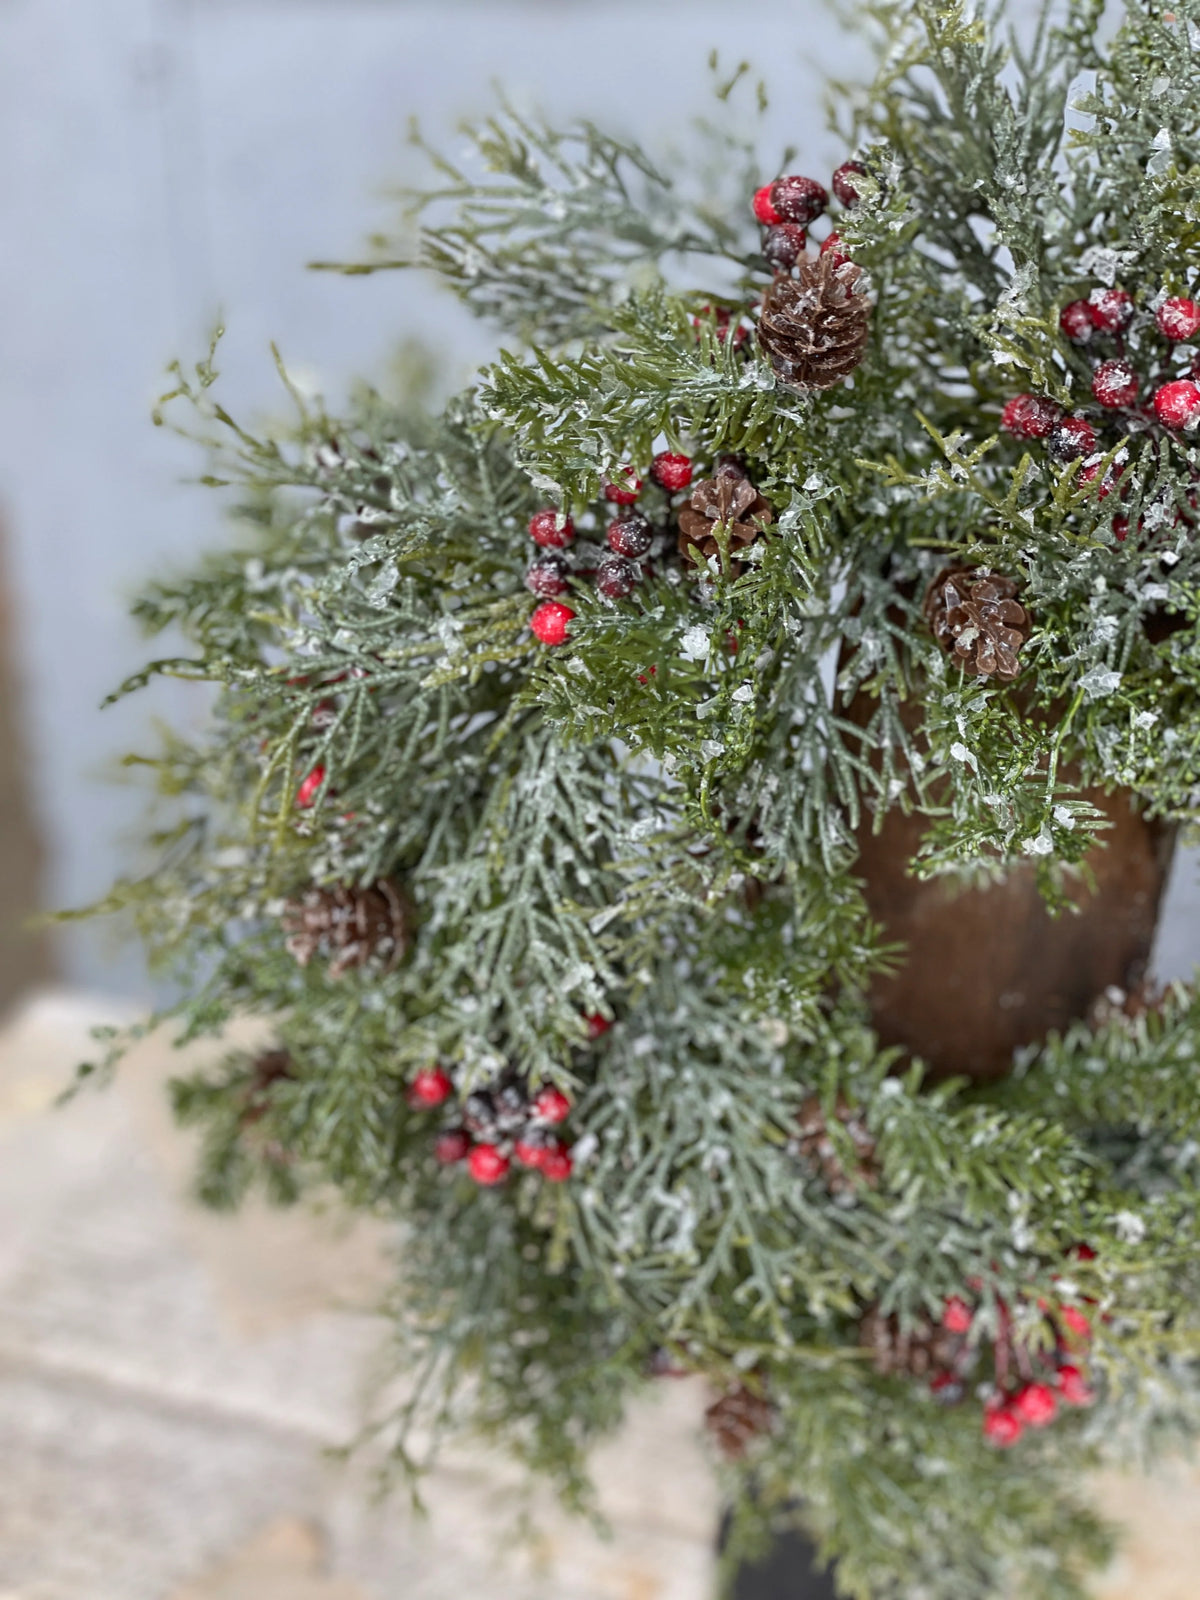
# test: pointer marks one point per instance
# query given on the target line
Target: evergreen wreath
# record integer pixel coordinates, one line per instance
(556, 735)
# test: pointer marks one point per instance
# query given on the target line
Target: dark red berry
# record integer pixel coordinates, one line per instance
(551, 1105)
(547, 577)
(833, 246)
(1075, 320)
(616, 577)
(1177, 404)
(431, 1087)
(624, 489)
(1120, 528)
(957, 1315)
(1002, 1426)
(1030, 416)
(843, 182)
(598, 1026)
(783, 245)
(1035, 1405)
(672, 471)
(798, 199)
(1083, 1252)
(551, 529)
(1071, 438)
(630, 535)
(487, 1165)
(1178, 319)
(1111, 310)
(556, 1164)
(452, 1146)
(1074, 1387)
(1076, 1323)
(548, 624)
(1115, 384)
(763, 209)
(1090, 471)
(307, 792)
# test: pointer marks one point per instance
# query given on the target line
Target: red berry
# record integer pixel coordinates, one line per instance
(1120, 528)
(832, 246)
(672, 471)
(1075, 320)
(1071, 438)
(783, 245)
(1083, 1252)
(487, 1165)
(630, 536)
(551, 529)
(431, 1087)
(616, 577)
(626, 488)
(843, 182)
(307, 792)
(1090, 471)
(557, 1164)
(1030, 416)
(598, 1026)
(1002, 1426)
(1035, 1405)
(1178, 404)
(763, 209)
(529, 1154)
(548, 624)
(452, 1146)
(1115, 384)
(547, 577)
(551, 1105)
(946, 1388)
(1111, 310)
(1076, 1323)
(957, 1315)
(1178, 319)
(1074, 1387)
(798, 199)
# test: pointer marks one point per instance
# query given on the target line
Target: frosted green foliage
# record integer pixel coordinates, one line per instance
(656, 823)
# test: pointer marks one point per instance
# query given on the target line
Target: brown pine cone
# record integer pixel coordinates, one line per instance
(730, 501)
(816, 1146)
(814, 327)
(974, 616)
(919, 1351)
(737, 1419)
(350, 926)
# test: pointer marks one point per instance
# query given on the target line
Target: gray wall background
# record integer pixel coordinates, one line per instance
(168, 159)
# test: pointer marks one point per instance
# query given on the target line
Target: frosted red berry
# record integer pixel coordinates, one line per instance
(616, 578)
(784, 244)
(1073, 1386)
(1071, 438)
(452, 1146)
(763, 208)
(1035, 1405)
(957, 1315)
(1075, 320)
(832, 246)
(672, 470)
(1178, 319)
(1076, 1323)
(1115, 384)
(1177, 405)
(548, 624)
(598, 1026)
(307, 792)
(1120, 527)
(1002, 1426)
(798, 199)
(551, 529)
(624, 489)
(1111, 310)
(487, 1165)
(556, 1164)
(547, 578)
(1030, 416)
(630, 536)
(431, 1087)
(528, 1153)
(551, 1105)
(843, 182)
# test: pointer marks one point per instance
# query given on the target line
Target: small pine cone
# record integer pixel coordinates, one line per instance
(974, 616)
(729, 501)
(737, 1419)
(817, 1148)
(919, 1351)
(350, 927)
(814, 327)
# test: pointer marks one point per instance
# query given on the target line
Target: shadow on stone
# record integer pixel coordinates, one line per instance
(788, 1572)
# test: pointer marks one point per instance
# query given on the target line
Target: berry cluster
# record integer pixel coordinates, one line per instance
(631, 539)
(497, 1126)
(787, 207)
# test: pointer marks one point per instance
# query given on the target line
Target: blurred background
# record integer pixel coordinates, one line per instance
(169, 1380)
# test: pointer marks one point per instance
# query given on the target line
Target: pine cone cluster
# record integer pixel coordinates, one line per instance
(974, 616)
(350, 926)
(918, 1350)
(726, 501)
(814, 327)
(820, 1150)
(736, 1419)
